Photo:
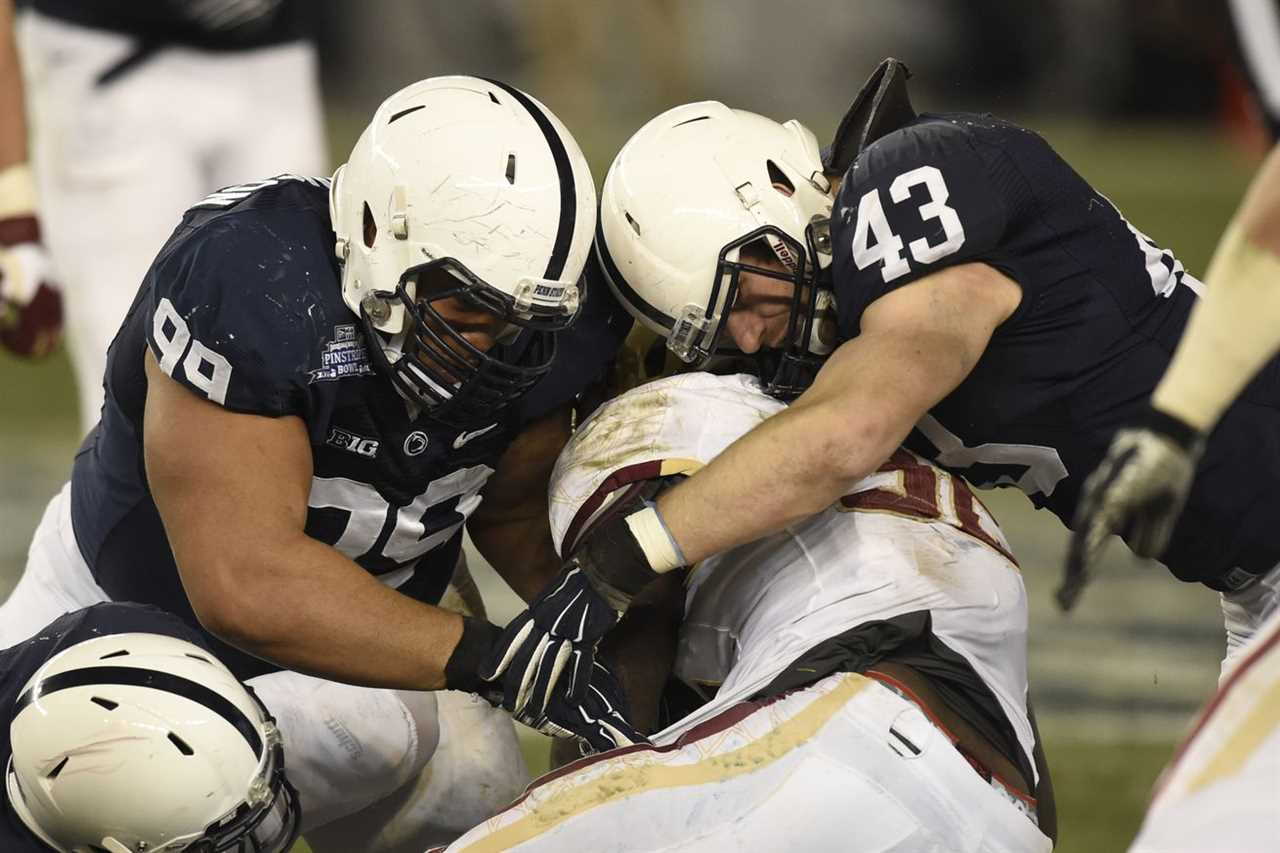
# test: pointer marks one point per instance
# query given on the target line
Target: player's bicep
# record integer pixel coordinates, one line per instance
(917, 344)
(916, 202)
(231, 488)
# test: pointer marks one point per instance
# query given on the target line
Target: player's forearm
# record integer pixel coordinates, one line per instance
(306, 607)
(789, 468)
(1234, 329)
(13, 126)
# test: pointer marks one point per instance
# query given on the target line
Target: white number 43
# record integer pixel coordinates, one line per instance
(887, 248)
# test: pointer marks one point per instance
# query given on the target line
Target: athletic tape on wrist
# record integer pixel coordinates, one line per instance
(17, 191)
(655, 540)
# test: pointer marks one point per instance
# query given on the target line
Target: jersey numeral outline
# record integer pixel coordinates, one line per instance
(382, 537)
(887, 248)
(205, 369)
(907, 485)
(1033, 468)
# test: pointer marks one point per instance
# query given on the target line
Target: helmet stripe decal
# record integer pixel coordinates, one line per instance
(568, 189)
(95, 676)
(615, 277)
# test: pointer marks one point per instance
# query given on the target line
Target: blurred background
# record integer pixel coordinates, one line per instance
(1146, 99)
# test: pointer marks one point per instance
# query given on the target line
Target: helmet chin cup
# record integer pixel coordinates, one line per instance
(690, 330)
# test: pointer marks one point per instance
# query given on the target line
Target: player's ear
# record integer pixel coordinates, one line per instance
(881, 106)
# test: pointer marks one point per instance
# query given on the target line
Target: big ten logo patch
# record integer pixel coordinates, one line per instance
(352, 443)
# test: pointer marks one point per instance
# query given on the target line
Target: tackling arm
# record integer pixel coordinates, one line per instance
(232, 491)
(917, 344)
(510, 527)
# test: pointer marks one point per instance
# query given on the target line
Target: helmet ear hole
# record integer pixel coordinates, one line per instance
(779, 179)
(370, 227)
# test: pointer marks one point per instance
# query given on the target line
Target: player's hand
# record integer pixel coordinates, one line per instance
(547, 652)
(1137, 491)
(30, 304)
(600, 719)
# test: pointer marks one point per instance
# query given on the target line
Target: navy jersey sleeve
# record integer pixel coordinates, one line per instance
(584, 352)
(917, 200)
(235, 316)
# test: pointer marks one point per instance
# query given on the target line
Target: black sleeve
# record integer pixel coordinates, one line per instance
(584, 352)
(229, 320)
(917, 200)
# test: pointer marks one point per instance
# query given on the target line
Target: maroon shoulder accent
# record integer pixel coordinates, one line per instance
(624, 476)
(19, 229)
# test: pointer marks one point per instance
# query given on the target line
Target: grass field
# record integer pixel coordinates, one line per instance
(1115, 683)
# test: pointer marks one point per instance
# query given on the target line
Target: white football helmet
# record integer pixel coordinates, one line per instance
(465, 188)
(144, 742)
(686, 193)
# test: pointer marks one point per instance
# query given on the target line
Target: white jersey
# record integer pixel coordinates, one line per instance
(908, 538)
(1222, 790)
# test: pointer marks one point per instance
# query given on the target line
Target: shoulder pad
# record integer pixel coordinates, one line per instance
(666, 428)
(881, 106)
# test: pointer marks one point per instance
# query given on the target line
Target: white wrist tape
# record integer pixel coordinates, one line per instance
(659, 547)
(1232, 332)
(17, 191)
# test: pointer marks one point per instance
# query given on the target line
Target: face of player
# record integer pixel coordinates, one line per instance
(760, 314)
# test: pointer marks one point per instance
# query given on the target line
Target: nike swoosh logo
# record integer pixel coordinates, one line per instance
(467, 436)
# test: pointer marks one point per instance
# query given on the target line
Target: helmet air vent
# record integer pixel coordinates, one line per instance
(404, 113)
(53, 774)
(690, 121)
(106, 703)
(635, 226)
(494, 98)
(197, 657)
(779, 179)
(117, 654)
(182, 745)
(511, 168)
(370, 227)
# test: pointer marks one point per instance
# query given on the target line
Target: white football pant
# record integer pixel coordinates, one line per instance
(845, 764)
(382, 771)
(118, 163)
(1244, 612)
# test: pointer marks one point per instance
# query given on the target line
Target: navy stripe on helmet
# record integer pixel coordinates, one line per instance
(129, 676)
(622, 287)
(568, 188)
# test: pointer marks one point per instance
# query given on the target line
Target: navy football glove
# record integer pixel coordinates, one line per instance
(600, 719)
(1138, 491)
(556, 636)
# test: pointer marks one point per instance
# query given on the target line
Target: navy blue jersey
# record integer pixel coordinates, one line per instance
(19, 663)
(243, 307)
(209, 25)
(1102, 310)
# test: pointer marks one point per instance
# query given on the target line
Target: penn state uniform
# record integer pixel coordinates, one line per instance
(1102, 309)
(795, 749)
(243, 307)
(18, 663)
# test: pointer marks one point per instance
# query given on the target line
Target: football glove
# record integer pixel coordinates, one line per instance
(558, 634)
(599, 720)
(1137, 491)
(30, 305)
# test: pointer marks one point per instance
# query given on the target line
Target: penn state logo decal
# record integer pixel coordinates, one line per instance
(415, 443)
